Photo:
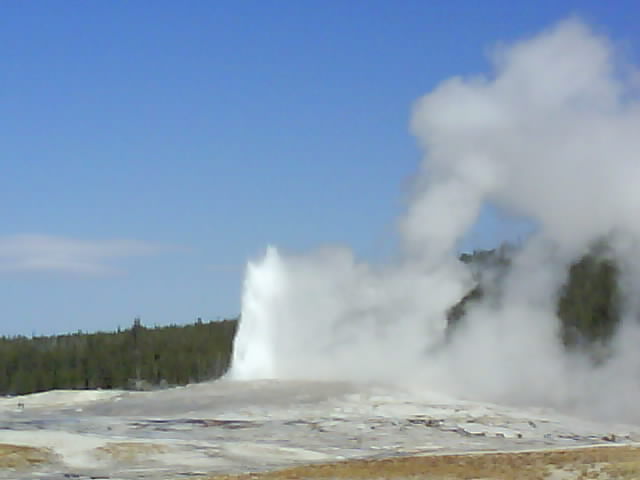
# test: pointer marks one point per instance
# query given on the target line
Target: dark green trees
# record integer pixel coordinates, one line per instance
(588, 304)
(488, 268)
(134, 358)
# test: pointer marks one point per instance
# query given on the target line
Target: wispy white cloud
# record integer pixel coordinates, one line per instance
(47, 253)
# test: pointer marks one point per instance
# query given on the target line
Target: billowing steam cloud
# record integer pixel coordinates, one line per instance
(552, 134)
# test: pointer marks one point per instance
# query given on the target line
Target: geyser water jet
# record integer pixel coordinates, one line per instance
(550, 134)
(326, 316)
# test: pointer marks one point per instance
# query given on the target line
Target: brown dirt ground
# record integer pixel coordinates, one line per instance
(604, 463)
(19, 457)
(610, 462)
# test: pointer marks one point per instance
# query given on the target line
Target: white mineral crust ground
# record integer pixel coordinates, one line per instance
(232, 427)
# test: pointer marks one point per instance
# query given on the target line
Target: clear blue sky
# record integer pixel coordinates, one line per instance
(149, 148)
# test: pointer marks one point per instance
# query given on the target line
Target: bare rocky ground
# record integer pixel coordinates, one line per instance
(316, 429)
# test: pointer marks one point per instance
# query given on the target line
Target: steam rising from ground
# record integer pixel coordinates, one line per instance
(552, 134)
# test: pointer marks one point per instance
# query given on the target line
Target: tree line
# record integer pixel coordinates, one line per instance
(588, 303)
(134, 358)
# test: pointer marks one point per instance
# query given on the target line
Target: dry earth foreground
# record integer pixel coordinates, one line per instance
(606, 463)
(17, 457)
(582, 463)
(603, 462)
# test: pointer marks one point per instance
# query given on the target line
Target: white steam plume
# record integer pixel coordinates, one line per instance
(552, 134)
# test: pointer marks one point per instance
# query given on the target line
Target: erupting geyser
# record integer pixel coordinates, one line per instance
(325, 316)
(551, 134)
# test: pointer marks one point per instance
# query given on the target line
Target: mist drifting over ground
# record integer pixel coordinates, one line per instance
(552, 133)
